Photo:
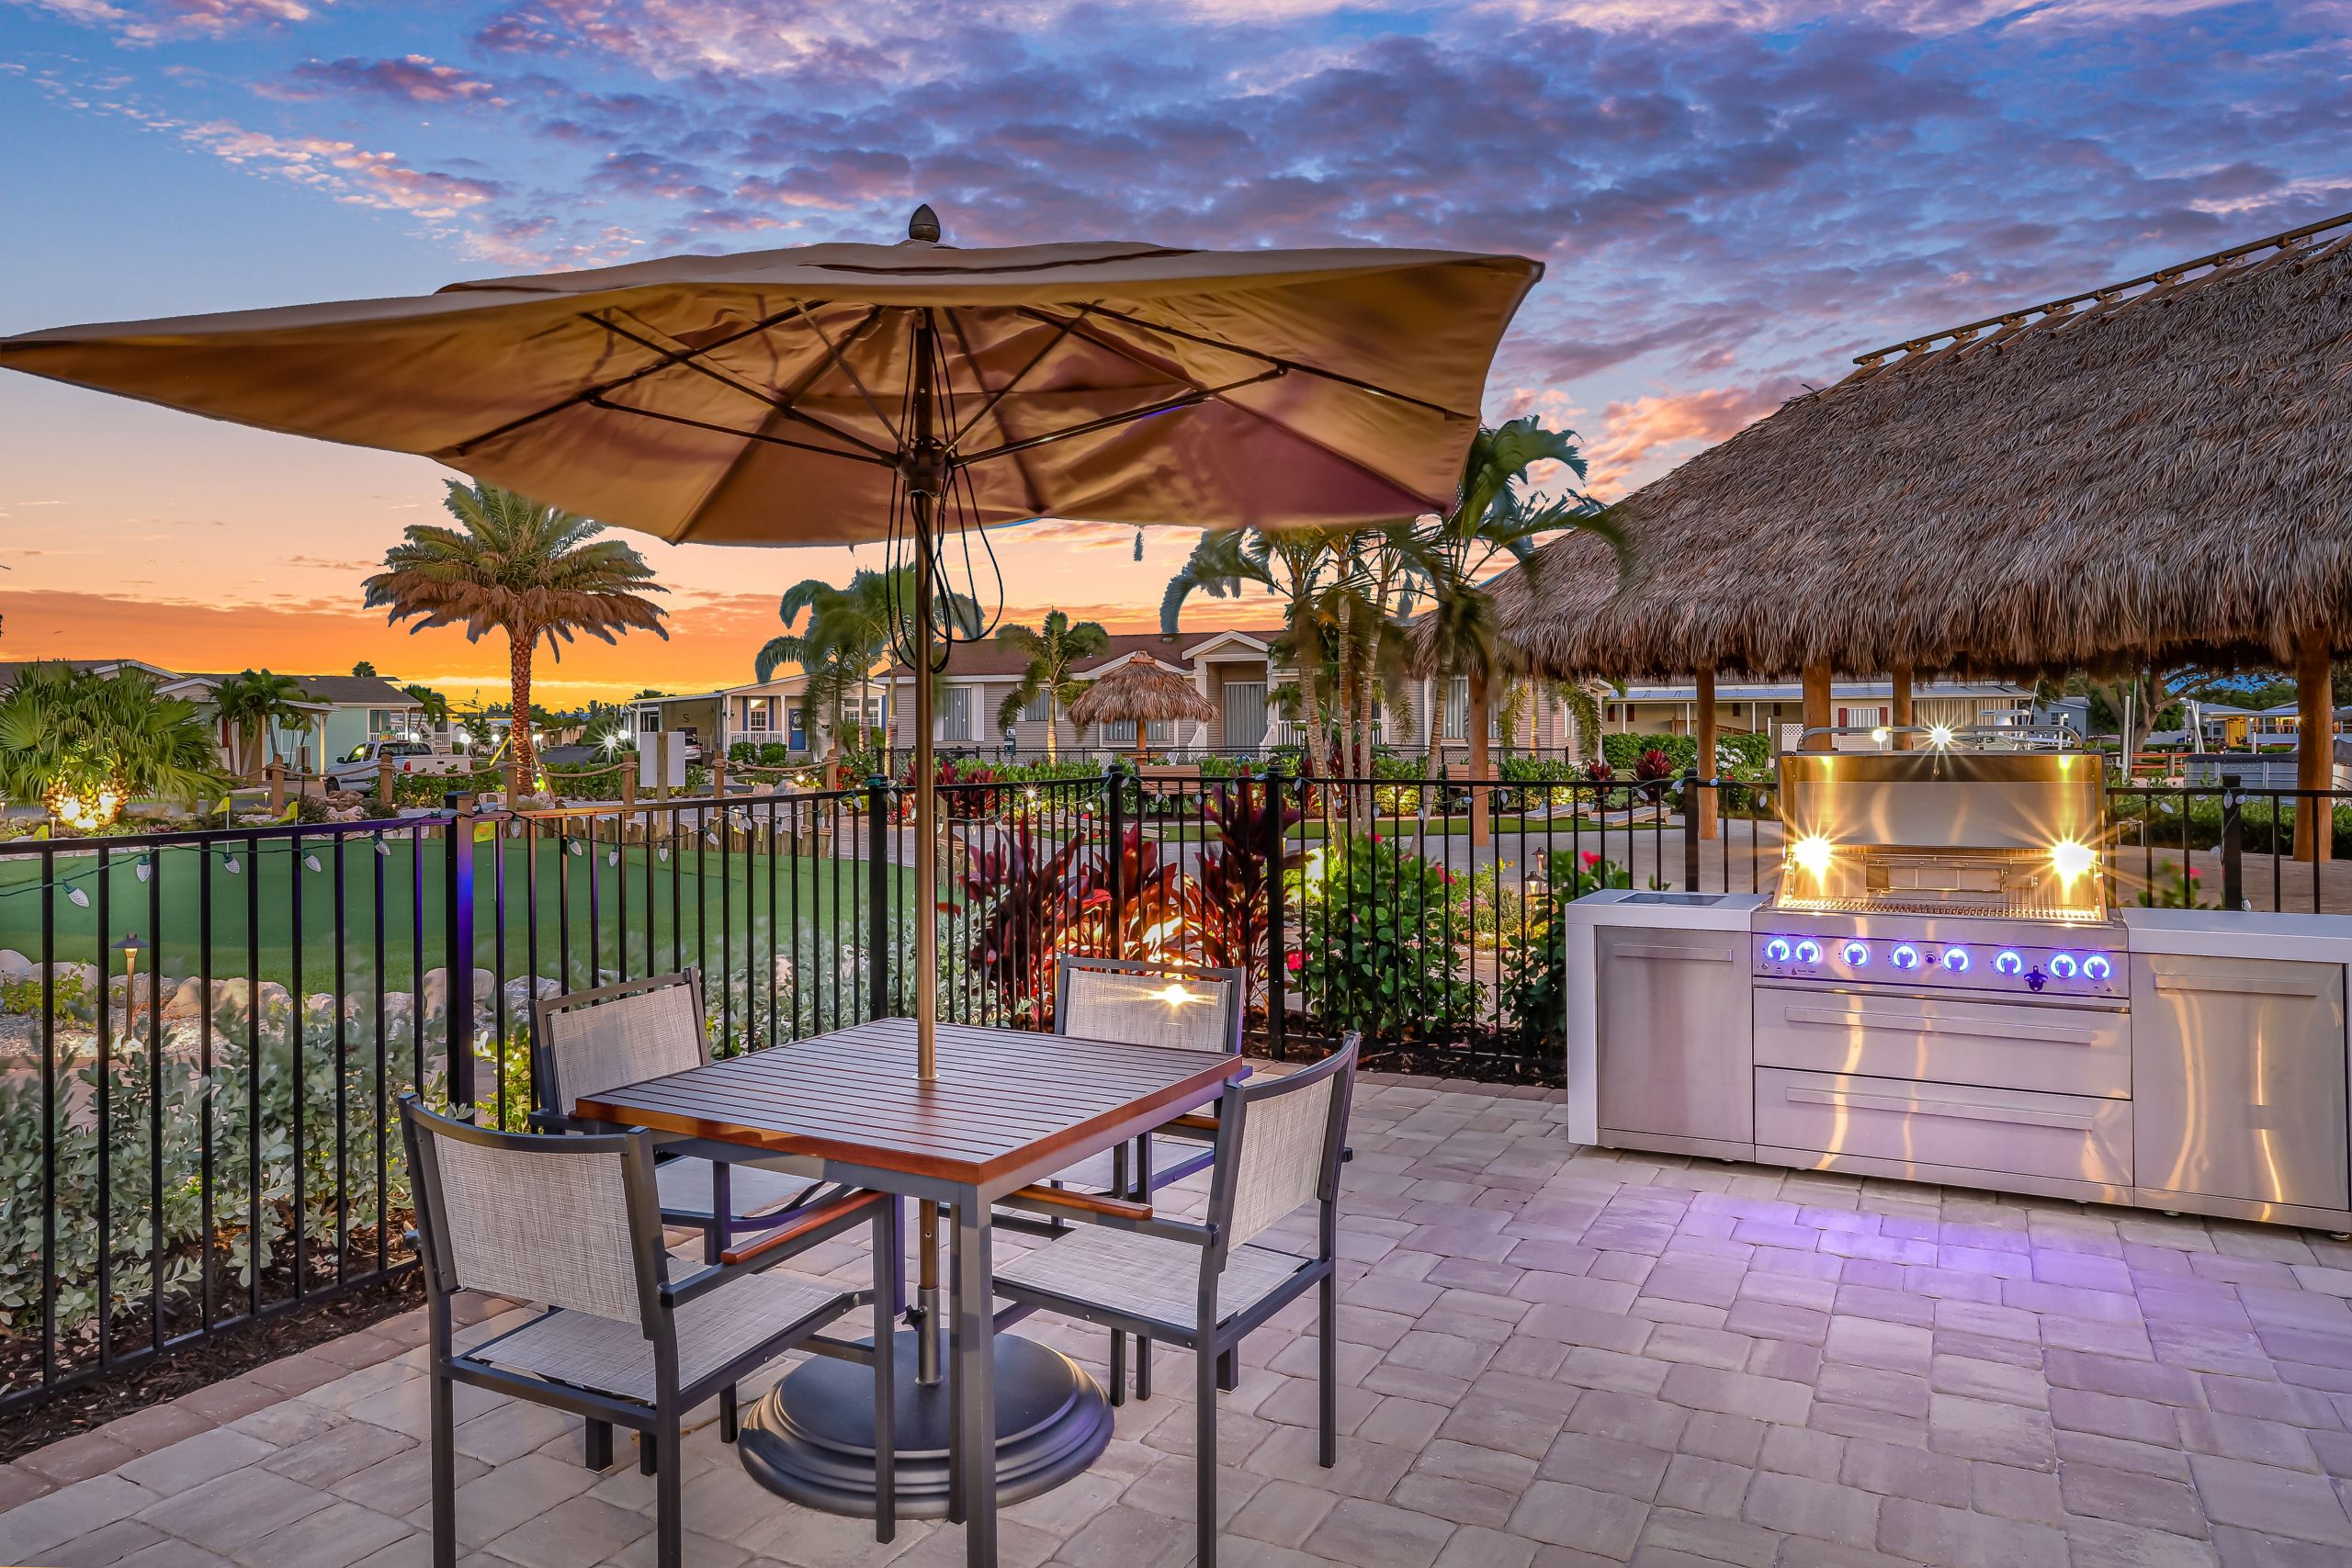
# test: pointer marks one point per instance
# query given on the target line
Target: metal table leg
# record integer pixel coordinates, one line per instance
(974, 1374)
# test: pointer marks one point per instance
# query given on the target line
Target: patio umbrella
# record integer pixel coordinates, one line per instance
(1143, 690)
(839, 393)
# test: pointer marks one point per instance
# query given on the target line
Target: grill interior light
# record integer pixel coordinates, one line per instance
(2071, 860)
(1812, 854)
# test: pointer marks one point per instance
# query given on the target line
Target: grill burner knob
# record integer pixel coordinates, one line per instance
(1855, 954)
(1808, 951)
(2096, 967)
(1956, 960)
(1777, 949)
(2007, 962)
(2063, 965)
(1905, 957)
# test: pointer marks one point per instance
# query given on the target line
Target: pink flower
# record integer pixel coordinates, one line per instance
(2195, 875)
(1590, 859)
(1375, 838)
(1294, 963)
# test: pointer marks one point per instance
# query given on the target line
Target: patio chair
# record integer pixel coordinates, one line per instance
(571, 1222)
(1208, 1285)
(1130, 1000)
(585, 1042)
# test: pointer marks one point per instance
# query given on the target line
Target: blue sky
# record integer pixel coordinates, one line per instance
(1733, 196)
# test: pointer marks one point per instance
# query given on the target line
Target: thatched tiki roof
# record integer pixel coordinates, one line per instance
(2152, 471)
(1144, 690)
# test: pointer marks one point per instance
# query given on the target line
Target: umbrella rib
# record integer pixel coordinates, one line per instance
(1262, 356)
(779, 404)
(1167, 405)
(883, 461)
(963, 341)
(669, 357)
(842, 363)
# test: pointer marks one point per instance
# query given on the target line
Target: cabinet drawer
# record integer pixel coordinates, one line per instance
(1673, 1014)
(1999, 1044)
(2073, 1137)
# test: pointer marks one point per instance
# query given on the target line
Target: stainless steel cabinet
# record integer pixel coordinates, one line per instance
(1675, 1045)
(2238, 1078)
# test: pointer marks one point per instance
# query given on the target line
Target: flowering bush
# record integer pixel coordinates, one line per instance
(1534, 973)
(1383, 939)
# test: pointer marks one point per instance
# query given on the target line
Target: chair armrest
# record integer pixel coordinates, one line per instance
(1194, 1121)
(820, 1218)
(1038, 1196)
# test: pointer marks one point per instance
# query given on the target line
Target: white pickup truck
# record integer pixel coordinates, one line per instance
(359, 770)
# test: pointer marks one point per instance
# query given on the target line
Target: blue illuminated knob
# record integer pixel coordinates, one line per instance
(2007, 962)
(1956, 960)
(2063, 965)
(2096, 967)
(1808, 951)
(1855, 954)
(1777, 949)
(1905, 957)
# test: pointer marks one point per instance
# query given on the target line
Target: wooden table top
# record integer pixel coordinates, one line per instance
(1005, 1099)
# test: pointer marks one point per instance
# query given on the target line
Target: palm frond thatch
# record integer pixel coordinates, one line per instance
(1143, 690)
(2152, 471)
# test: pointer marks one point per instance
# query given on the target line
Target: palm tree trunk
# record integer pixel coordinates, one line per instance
(518, 735)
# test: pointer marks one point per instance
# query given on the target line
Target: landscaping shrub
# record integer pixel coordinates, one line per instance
(1382, 939)
(1534, 973)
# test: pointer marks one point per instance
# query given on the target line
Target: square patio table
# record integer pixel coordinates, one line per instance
(1007, 1109)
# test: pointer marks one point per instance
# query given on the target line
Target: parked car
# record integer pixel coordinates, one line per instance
(358, 771)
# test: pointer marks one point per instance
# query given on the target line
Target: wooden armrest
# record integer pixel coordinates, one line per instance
(1083, 1202)
(1196, 1121)
(814, 1219)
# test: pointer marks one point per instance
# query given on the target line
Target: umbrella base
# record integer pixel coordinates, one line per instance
(811, 1437)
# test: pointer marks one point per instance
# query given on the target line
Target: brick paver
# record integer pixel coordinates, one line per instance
(1549, 1356)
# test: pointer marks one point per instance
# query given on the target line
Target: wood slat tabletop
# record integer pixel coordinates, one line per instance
(1005, 1099)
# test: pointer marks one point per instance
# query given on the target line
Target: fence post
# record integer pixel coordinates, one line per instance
(384, 782)
(1277, 1006)
(458, 949)
(2233, 845)
(1690, 809)
(1114, 818)
(877, 895)
(276, 773)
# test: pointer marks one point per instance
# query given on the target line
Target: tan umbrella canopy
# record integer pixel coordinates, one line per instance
(1143, 690)
(2148, 472)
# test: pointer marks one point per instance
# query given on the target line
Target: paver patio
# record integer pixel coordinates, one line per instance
(1552, 1357)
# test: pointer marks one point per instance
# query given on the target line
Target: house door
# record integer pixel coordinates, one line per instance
(1245, 714)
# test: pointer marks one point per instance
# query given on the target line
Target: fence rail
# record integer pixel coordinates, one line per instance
(202, 1033)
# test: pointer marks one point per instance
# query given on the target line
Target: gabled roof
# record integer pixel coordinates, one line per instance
(343, 691)
(2149, 470)
(993, 658)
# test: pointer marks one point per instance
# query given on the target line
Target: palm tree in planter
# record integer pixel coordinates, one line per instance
(1053, 650)
(253, 703)
(517, 566)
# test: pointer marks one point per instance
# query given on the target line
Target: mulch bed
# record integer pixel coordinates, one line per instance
(196, 1366)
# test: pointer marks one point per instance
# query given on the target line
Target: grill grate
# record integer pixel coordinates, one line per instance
(2002, 908)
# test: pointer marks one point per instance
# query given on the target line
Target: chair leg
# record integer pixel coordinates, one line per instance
(1204, 1502)
(444, 1473)
(647, 1455)
(598, 1439)
(1118, 1366)
(669, 1505)
(1328, 1371)
(729, 1423)
(1228, 1371)
(1143, 1368)
(888, 1261)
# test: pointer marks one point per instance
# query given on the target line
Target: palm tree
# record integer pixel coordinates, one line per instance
(432, 708)
(847, 634)
(72, 736)
(1052, 651)
(254, 704)
(1303, 568)
(517, 566)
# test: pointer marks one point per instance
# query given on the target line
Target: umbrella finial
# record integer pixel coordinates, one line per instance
(924, 225)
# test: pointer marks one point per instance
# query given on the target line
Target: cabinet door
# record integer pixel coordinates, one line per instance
(2238, 1077)
(1675, 1032)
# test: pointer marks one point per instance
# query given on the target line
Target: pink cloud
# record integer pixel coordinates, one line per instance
(1651, 427)
(345, 171)
(417, 78)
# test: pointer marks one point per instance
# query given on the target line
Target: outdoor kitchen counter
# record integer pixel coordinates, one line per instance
(1627, 907)
(2218, 934)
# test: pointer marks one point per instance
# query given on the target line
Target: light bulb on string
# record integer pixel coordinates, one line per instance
(146, 867)
(228, 861)
(312, 861)
(77, 896)
(382, 848)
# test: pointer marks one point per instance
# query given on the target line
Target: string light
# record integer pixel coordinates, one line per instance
(312, 861)
(77, 896)
(146, 868)
(382, 848)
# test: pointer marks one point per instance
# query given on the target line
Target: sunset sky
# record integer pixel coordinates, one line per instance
(1733, 196)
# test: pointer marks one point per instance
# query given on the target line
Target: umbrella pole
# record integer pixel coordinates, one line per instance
(922, 497)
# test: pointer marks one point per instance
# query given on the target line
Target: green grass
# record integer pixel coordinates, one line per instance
(699, 916)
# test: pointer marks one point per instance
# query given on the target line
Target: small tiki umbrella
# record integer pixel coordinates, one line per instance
(1143, 690)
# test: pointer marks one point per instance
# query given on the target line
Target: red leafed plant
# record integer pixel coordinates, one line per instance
(1232, 877)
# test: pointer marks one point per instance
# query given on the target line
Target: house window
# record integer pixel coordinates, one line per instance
(1122, 732)
(649, 720)
(1039, 708)
(1457, 707)
(755, 714)
(956, 714)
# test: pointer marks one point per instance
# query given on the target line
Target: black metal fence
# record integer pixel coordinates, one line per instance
(202, 1033)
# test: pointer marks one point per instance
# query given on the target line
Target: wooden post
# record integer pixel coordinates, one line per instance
(276, 773)
(1709, 799)
(719, 774)
(384, 782)
(1817, 707)
(2314, 750)
(662, 765)
(1899, 678)
(629, 785)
